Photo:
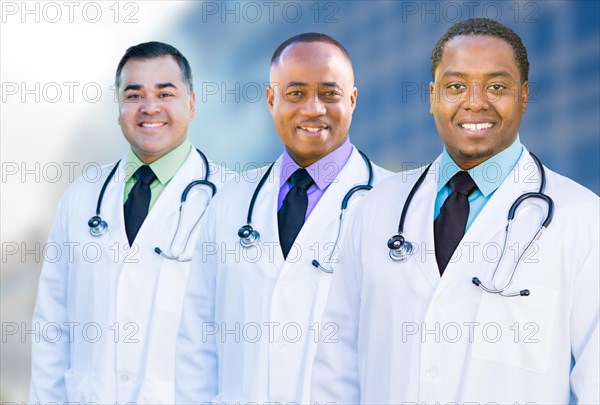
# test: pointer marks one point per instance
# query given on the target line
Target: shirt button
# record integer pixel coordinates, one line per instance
(124, 377)
(432, 373)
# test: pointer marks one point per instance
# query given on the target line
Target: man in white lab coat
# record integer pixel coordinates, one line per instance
(252, 315)
(422, 329)
(108, 305)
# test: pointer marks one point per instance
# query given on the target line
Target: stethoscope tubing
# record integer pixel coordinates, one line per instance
(250, 237)
(400, 248)
(98, 226)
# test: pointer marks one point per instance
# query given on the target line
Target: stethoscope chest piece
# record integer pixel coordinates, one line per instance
(97, 226)
(400, 249)
(248, 236)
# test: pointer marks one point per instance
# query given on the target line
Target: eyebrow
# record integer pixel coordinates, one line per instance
(498, 73)
(330, 84)
(302, 84)
(159, 86)
(165, 85)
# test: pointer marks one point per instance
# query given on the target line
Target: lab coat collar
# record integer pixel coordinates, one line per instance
(488, 175)
(418, 226)
(264, 217)
(169, 201)
(489, 226)
(328, 209)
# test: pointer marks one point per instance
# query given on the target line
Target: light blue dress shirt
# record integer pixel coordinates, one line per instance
(488, 176)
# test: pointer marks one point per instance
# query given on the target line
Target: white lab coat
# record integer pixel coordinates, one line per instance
(251, 319)
(408, 336)
(106, 314)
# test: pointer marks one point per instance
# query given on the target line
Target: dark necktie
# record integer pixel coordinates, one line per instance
(138, 202)
(449, 226)
(293, 210)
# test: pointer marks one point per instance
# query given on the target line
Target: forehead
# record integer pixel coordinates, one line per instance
(473, 55)
(149, 71)
(313, 62)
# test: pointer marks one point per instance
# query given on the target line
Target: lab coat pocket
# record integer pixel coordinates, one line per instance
(517, 331)
(78, 387)
(171, 286)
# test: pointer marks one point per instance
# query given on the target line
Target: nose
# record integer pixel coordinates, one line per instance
(150, 106)
(476, 98)
(313, 107)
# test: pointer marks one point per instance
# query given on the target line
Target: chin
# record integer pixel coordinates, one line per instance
(476, 154)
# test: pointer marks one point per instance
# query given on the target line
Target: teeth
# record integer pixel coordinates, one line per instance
(152, 124)
(477, 127)
(311, 129)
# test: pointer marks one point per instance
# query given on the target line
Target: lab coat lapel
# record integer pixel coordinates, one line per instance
(166, 208)
(418, 226)
(264, 217)
(112, 206)
(329, 206)
(489, 226)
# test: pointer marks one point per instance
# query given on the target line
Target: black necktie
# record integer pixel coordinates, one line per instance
(449, 226)
(138, 201)
(293, 210)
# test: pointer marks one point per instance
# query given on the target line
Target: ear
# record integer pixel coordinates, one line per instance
(193, 105)
(431, 96)
(270, 98)
(524, 94)
(353, 97)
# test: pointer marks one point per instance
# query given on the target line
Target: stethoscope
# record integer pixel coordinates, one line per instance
(401, 249)
(98, 226)
(250, 237)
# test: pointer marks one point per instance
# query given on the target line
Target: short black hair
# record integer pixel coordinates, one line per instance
(483, 27)
(154, 49)
(307, 37)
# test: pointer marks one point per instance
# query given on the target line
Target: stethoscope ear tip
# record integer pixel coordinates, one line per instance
(476, 281)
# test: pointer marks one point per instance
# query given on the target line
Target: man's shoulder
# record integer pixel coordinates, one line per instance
(391, 189)
(93, 176)
(569, 193)
(245, 182)
(380, 173)
(399, 181)
(559, 181)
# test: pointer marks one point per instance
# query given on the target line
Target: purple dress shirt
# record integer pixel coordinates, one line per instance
(323, 173)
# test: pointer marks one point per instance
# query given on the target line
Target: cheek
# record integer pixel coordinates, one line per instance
(126, 114)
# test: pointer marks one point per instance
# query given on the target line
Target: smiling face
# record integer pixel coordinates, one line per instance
(312, 98)
(155, 107)
(477, 100)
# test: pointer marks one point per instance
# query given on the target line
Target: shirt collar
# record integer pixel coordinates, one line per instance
(165, 167)
(323, 171)
(488, 175)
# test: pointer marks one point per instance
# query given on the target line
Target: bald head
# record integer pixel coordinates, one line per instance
(312, 97)
(323, 58)
(308, 37)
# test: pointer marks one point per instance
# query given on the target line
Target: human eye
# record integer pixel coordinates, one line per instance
(456, 87)
(497, 87)
(165, 95)
(132, 97)
(495, 91)
(331, 96)
(293, 95)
